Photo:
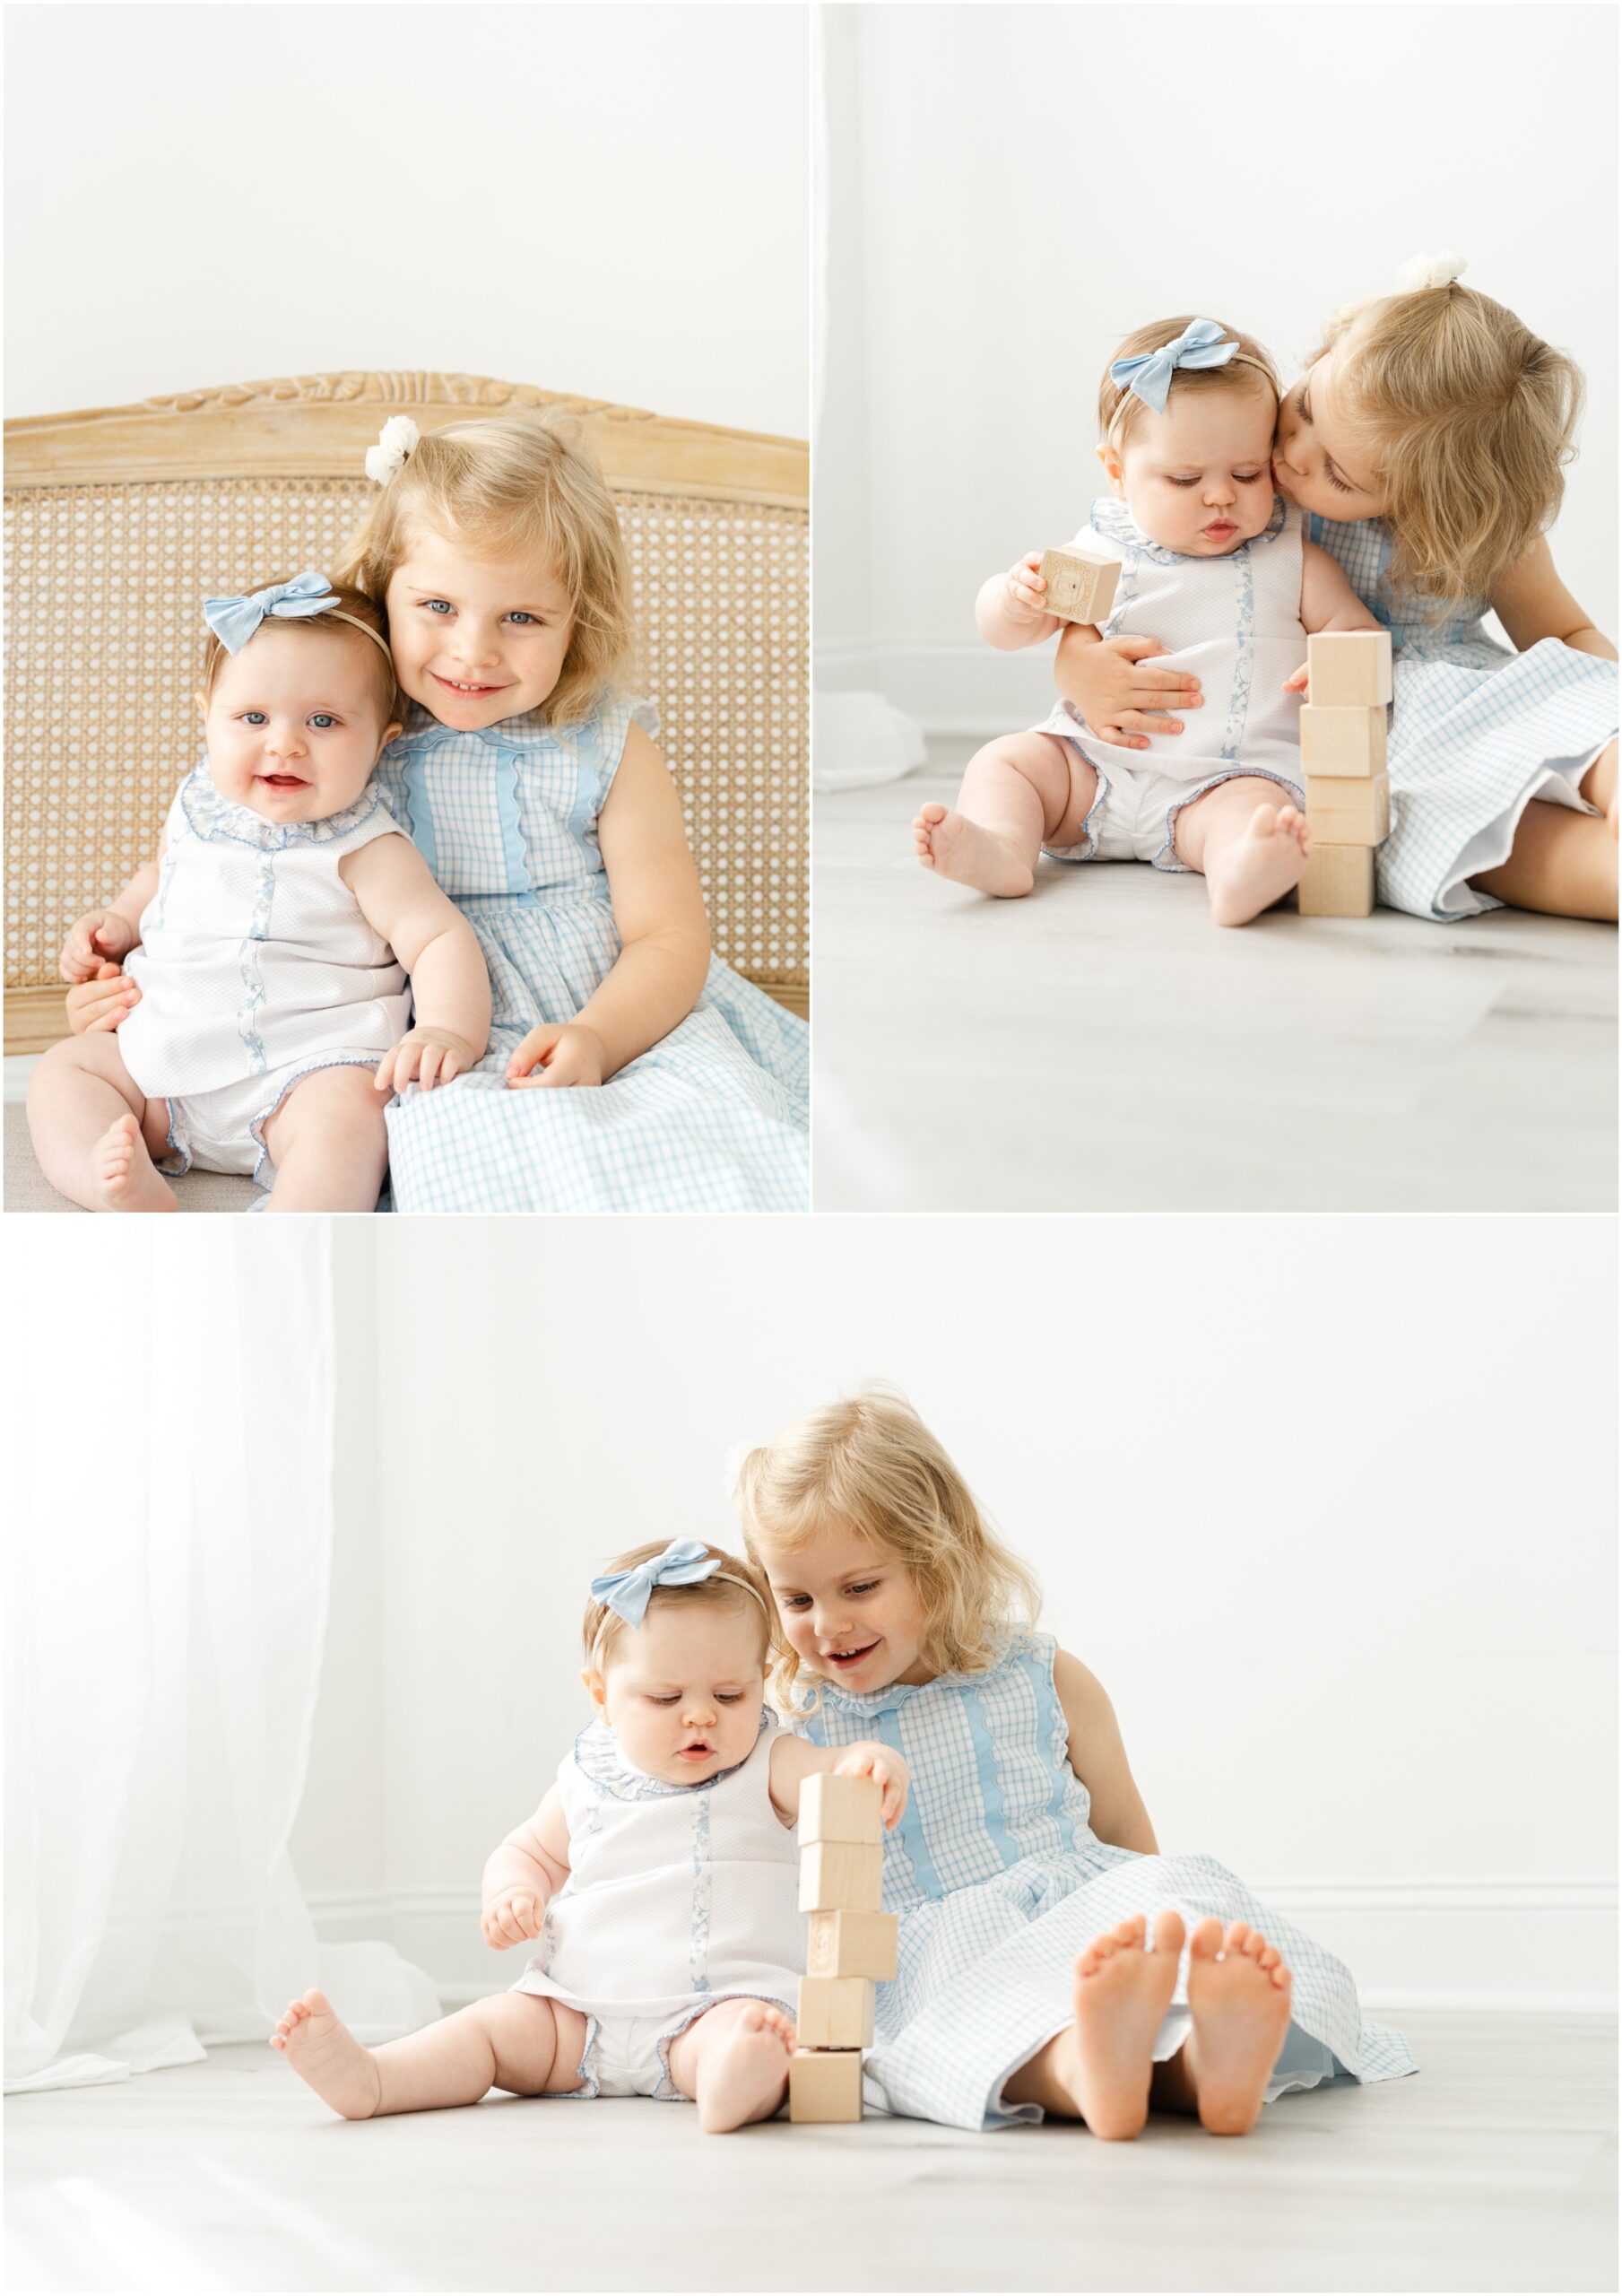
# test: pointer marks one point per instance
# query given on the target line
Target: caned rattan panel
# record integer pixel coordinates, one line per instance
(105, 575)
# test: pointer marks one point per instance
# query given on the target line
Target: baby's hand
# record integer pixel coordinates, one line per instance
(1027, 590)
(1297, 684)
(884, 1763)
(99, 934)
(431, 1055)
(101, 1003)
(511, 1918)
(568, 1055)
(1120, 697)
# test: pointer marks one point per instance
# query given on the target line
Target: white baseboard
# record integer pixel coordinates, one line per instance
(958, 688)
(1484, 1942)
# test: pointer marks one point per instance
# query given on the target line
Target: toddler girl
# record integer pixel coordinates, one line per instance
(1024, 1869)
(243, 1002)
(1212, 560)
(1427, 441)
(659, 1876)
(527, 778)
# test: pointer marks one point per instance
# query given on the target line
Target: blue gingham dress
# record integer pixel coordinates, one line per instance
(1477, 732)
(1000, 1882)
(711, 1119)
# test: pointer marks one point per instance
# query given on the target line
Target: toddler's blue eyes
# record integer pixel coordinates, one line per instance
(442, 606)
(521, 617)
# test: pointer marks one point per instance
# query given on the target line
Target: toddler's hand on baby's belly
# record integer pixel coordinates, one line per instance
(559, 1055)
(511, 1918)
(1121, 695)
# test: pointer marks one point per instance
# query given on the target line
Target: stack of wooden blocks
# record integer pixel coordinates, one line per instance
(850, 1944)
(1343, 758)
(1080, 585)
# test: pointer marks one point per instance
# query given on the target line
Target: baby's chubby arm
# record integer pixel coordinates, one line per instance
(795, 1760)
(1099, 1758)
(1327, 601)
(435, 943)
(522, 1873)
(93, 952)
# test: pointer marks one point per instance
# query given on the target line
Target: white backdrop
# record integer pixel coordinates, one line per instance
(613, 201)
(1339, 1544)
(1012, 188)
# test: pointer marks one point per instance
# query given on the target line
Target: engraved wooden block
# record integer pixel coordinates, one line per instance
(841, 1876)
(1349, 669)
(852, 1944)
(1346, 742)
(1339, 882)
(835, 2013)
(840, 1809)
(825, 2084)
(1080, 585)
(1348, 813)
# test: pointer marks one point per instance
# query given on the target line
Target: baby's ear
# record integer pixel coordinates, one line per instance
(1110, 461)
(594, 1689)
(202, 702)
(390, 734)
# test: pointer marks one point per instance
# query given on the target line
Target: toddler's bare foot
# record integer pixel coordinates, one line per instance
(1122, 1990)
(1259, 866)
(744, 2072)
(1239, 2005)
(323, 2051)
(956, 847)
(124, 1175)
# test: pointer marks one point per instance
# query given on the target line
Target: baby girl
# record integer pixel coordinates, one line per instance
(260, 1011)
(659, 1876)
(1216, 567)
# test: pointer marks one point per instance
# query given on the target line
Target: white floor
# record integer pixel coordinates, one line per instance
(1493, 2167)
(1101, 1046)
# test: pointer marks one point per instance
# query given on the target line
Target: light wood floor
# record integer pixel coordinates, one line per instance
(1493, 2167)
(1101, 1046)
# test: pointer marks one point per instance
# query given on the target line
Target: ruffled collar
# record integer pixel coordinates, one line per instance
(1110, 518)
(597, 1754)
(896, 1695)
(210, 815)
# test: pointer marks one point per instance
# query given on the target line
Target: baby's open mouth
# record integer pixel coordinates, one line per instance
(850, 1657)
(697, 1749)
(284, 782)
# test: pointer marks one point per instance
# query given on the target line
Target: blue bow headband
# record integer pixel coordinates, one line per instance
(234, 620)
(683, 1563)
(1149, 376)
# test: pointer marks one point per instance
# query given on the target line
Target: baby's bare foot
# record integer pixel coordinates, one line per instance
(323, 2051)
(1123, 1991)
(1259, 866)
(743, 2074)
(124, 1175)
(1238, 1999)
(955, 847)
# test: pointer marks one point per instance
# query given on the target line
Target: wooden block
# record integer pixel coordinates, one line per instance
(1080, 585)
(1348, 813)
(1349, 669)
(841, 1876)
(852, 1944)
(825, 2084)
(1345, 743)
(840, 1809)
(835, 2013)
(1340, 881)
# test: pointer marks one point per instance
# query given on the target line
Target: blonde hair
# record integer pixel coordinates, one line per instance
(1119, 406)
(734, 1582)
(348, 606)
(1470, 417)
(506, 485)
(869, 1461)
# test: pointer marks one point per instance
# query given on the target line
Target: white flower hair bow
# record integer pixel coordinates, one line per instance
(1431, 270)
(396, 441)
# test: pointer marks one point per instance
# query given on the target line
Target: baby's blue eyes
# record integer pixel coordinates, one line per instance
(320, 718)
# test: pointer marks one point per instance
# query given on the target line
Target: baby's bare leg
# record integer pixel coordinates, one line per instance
(1248, 840)
(518, 2042)
(1019, 793)
(94, 1133)
(733, 2062)
(1562, 863)
(328, 1142)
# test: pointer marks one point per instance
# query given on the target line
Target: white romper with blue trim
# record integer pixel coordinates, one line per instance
(1477, 732)
(1000, 1882)
(711, 1119)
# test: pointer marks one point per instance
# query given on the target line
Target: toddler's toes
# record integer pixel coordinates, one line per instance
(1206, 1943)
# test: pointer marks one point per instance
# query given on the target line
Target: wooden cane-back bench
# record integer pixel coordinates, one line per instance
(120, 521)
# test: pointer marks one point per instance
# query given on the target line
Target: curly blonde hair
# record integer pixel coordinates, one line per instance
(1120, 408)
(735, 1582)
(868, 1462)
(506, 485)
(1470, 418)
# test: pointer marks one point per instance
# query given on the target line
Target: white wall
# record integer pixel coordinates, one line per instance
(1014, 187)
(1328, 1505)
(612, 201)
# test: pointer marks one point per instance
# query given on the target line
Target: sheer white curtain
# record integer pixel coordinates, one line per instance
(169, 1552)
